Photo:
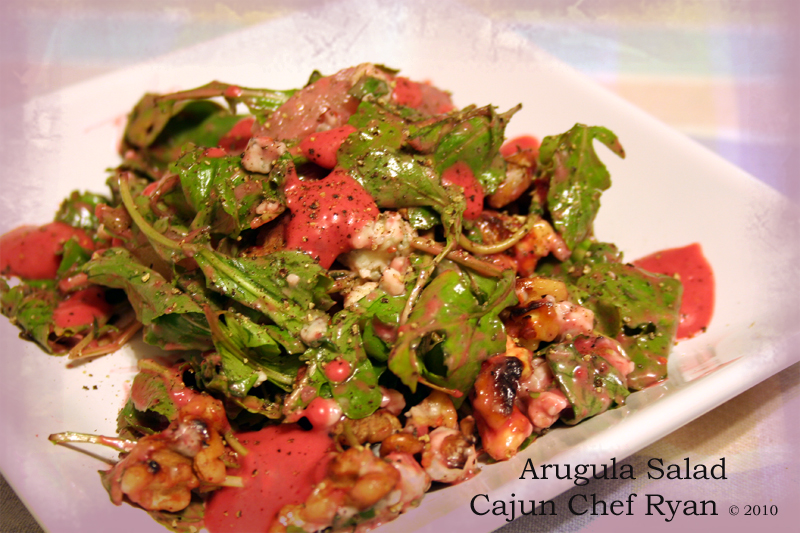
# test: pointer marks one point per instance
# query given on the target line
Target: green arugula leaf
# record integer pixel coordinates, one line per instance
(470, 331)
(224, 196)
(199, 123)
(359, 395)
(153, 113)
(367, 86)
(639, 309)
(249, 356)
(395, 178)
(589, 382)
(154, 387)
(171, 318)
(476, 139)
(77, 210)
(577, 178)
(636, 307)
(423, 218)
(264, 284)
(30, 305)
(379, 322)
(73, 256)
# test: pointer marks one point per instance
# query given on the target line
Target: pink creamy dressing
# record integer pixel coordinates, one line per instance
(81, 308)
(325, 104)
(282, 466)
(32, 252)
(697, 277)
(460, 174)
(523, 142)
(326, 214)
(322, 147)
(235, 141)
(422, 96)
(322, 413)
(406, 92)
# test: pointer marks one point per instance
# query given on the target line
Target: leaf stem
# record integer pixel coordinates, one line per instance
(458, 256)
(217, 88)
(119, 342)
(149, 231)
(455, 393)
(232, 481)
(70, 437)
(224, 339)
(275, 310)
(424, 274)
(234, 443)
(502, 246)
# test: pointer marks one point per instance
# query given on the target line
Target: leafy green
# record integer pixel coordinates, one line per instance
(590, 384)
(468, 326)
(73, 256)
(577, 178)
(148, 119)
(201, 123)
(171, 318)
(153, 388)
(224, 196)
(423, 218)
(358, 395)
(379, 320)
(638, 308)
(77, 210)
(149, 228)
(249, 356)
(367, 86)
(476, 139)
(30, 306)
(152, 117)
(263, 284)
(395, 178)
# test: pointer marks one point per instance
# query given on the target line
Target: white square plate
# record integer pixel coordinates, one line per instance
(668, 192)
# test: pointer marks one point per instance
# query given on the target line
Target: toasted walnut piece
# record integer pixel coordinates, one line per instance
(536, 288)
(162, 480)
(467, 426)
(372, 429)
(455, 450)
(501, 424)
(450, 456)
(436, 410)
(401, 443)
(373, 486)
(518, 179)
(208, 464)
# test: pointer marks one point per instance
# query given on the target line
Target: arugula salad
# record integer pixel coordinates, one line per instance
(355, 270)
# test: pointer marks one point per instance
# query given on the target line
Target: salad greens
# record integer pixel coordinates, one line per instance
(191, 245)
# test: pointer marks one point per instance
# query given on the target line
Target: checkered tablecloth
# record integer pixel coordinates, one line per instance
(721, 72)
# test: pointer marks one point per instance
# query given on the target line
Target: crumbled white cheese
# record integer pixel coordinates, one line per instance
(261, 153)
(359, 292)
(314, 331)
(377, 244)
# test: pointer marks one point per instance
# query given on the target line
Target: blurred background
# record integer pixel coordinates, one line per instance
(724, 73)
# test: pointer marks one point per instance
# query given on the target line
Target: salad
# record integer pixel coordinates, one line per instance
(361, 292)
